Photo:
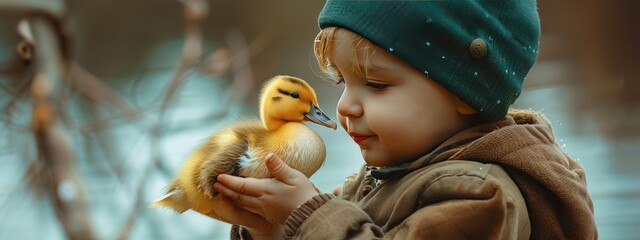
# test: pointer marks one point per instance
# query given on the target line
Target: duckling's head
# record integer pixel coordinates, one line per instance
(290, 99)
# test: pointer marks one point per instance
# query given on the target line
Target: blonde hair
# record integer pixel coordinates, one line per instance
(324, 44)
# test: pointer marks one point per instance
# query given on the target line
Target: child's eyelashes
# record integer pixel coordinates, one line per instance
(373, 85)
(377, 86)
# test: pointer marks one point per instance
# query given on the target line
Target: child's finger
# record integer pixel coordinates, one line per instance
(244, 201)
(279, 169)
(248, 186)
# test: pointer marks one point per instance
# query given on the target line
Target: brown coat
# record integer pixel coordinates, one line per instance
(500, 180)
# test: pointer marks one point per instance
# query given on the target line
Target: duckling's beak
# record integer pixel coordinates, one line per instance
(316, 115)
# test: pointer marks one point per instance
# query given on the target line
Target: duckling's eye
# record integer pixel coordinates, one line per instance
(295, 95)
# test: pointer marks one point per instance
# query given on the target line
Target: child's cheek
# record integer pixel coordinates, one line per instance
(385, 124)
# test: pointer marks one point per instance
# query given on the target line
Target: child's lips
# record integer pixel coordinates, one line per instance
(359, 138)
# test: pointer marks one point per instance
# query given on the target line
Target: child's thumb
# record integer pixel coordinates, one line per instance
(279, 169)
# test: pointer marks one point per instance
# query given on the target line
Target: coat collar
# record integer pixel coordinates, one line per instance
(456, 144)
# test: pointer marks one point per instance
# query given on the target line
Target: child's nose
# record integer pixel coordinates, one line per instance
(349, 106)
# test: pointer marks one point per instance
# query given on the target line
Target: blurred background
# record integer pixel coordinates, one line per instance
(84, 151)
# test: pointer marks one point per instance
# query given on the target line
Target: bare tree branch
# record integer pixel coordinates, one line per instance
(53, 82)
(65, 187)
(195, 11)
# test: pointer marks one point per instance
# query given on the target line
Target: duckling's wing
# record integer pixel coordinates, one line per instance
(231, 150)
(224, 160)
(260, 144)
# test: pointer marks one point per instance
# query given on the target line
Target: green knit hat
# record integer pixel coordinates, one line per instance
(481, 50)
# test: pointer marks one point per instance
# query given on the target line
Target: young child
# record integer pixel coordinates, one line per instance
(427, 90)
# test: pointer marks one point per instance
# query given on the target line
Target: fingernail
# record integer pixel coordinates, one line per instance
(220, 177)
(269, 157)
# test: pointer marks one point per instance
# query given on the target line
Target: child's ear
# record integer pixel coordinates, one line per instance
(464, 108)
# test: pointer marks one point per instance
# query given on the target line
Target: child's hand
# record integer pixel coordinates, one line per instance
(258, 227)
(271, 198)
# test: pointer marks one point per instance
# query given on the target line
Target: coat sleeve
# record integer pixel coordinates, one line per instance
(337, 219)
(239, 233)
(451, 207)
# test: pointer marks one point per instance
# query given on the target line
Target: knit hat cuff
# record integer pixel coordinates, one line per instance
(436, 38)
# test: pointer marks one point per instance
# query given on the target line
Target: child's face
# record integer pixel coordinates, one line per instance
(393, 112)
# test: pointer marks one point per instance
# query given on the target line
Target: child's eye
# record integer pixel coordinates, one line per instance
(377, 86)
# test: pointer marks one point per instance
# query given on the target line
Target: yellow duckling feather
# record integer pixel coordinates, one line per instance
(240, 148)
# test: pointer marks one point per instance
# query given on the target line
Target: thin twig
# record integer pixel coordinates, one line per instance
(96, 90)
(243, 80)
(195, 11)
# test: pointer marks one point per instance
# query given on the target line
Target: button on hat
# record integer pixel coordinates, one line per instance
(478, 48)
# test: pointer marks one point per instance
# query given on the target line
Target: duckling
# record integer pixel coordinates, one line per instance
(240, 149)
